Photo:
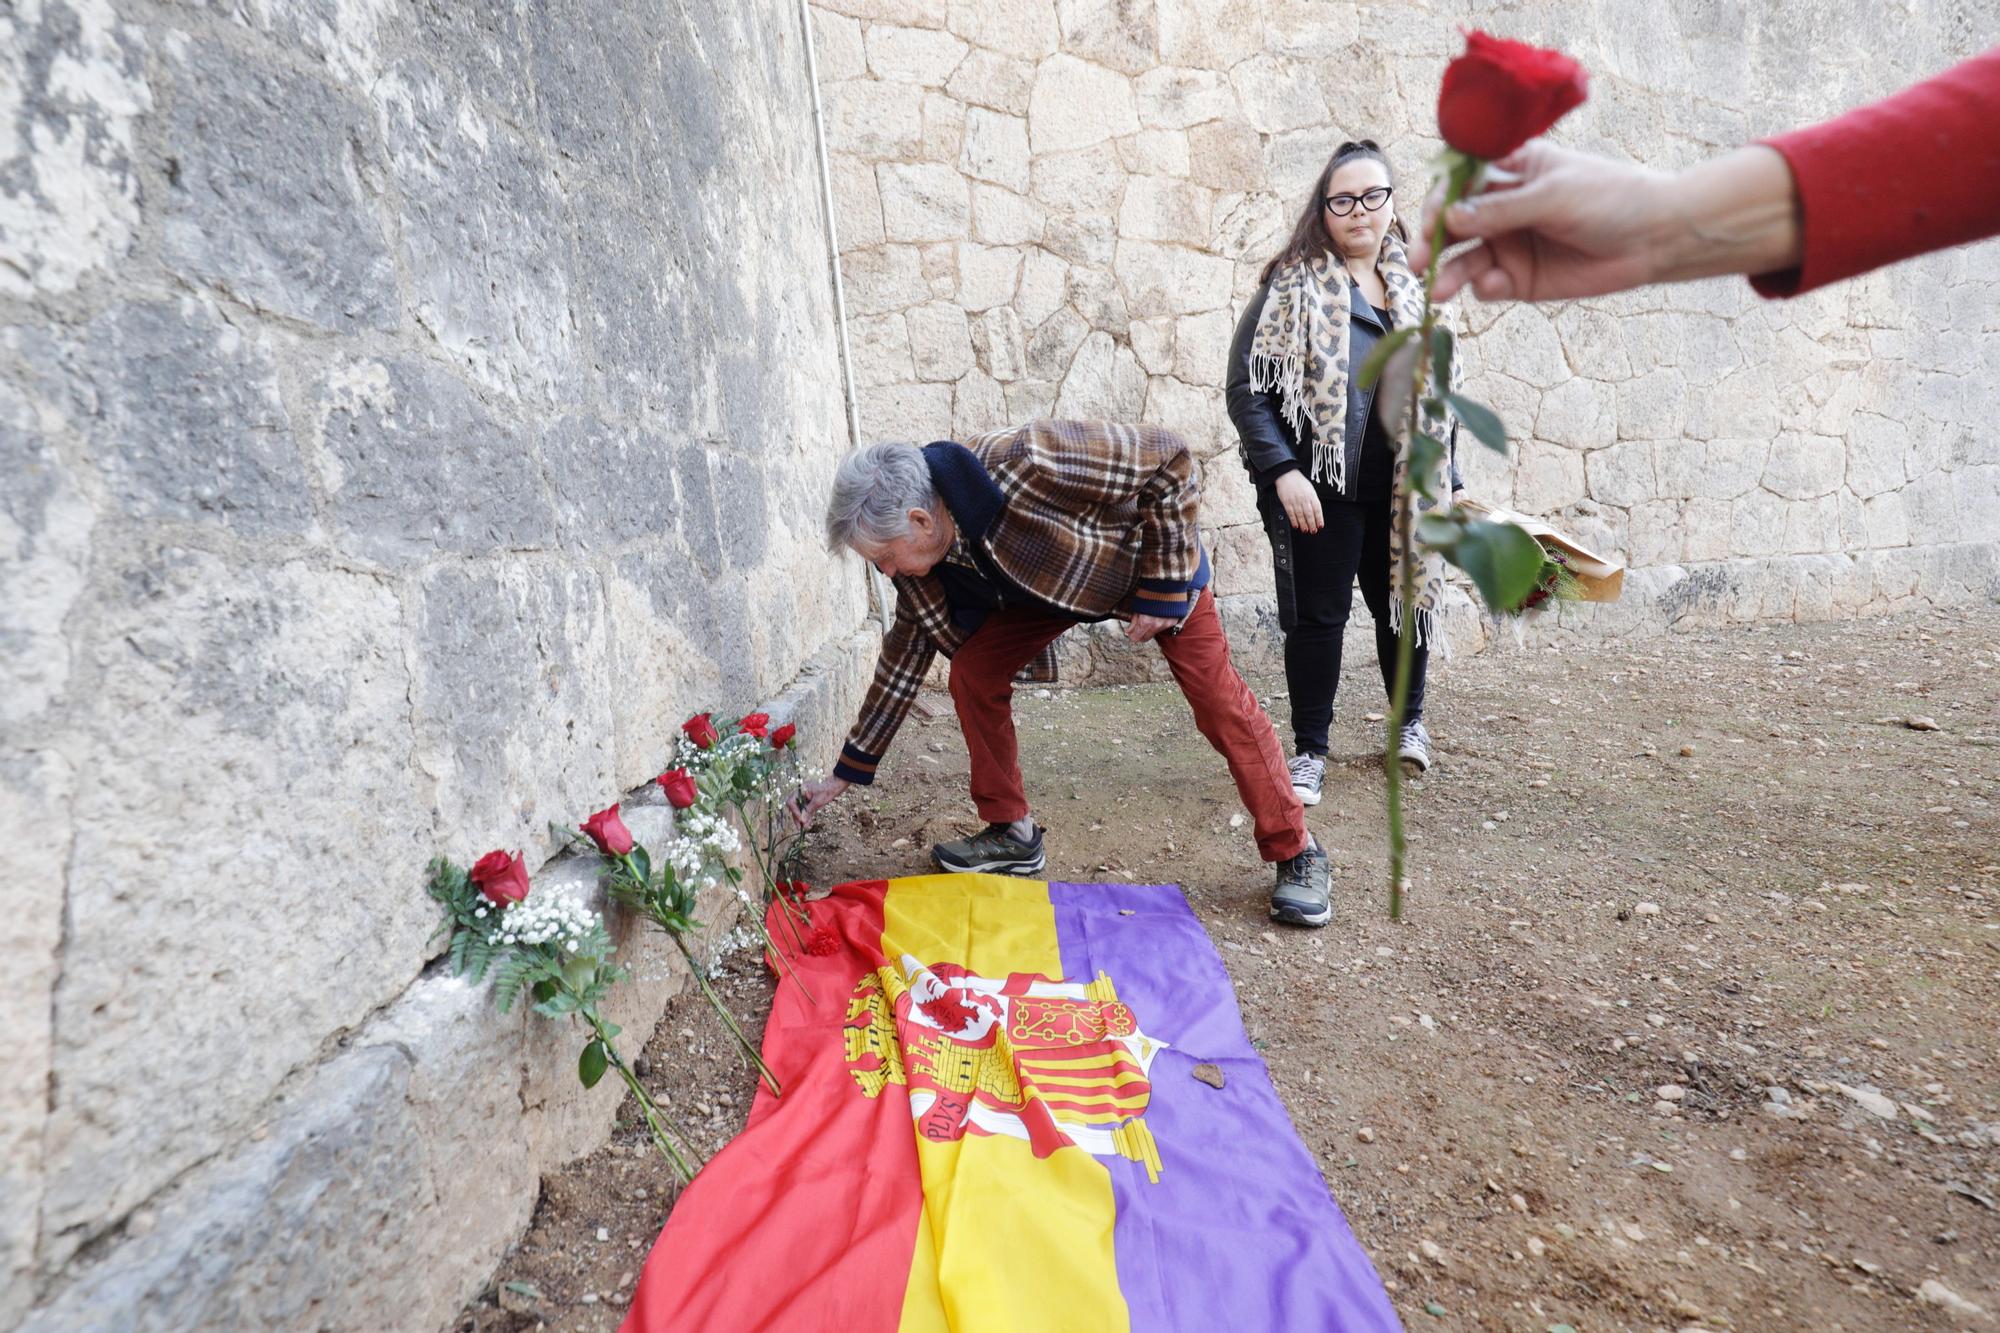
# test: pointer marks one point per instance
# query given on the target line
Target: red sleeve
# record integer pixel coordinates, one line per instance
(1914, 172)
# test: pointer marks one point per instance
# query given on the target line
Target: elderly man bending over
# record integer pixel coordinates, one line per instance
(998, 546)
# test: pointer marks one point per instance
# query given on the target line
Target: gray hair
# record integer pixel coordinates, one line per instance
(874, 490)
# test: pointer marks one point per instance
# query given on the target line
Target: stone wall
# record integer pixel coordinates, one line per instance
(1060, 206)
(408, 413)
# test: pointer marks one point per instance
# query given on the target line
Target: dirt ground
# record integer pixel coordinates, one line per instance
(1693, 1021)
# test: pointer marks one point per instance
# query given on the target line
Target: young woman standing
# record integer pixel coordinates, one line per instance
(1328, 475)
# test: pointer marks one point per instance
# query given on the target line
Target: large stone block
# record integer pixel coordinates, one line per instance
(987, 276)
(1578, 413)
(1226, 155)
(1175, 99)
(482, 231)
(1212, 34)
(924, 201)
(1154, 153)
(37, 788)
(415, 466)
(1159, 208)
(1105, 382)
(608, 482)
(1622, 474)
(839, 49)
(1054, 345)
(1548, 478)
(1075, 105)
(1198, 414)
(906, 412)
(944, 127)
(259, 720)
(1805, 467)
(268, 199)
(69, 188)
(889, 277)
(1201, 347)
(857, 203)
(1876, 448)
(1001, 217)
(592, 69)
(1044, 282)
(996, 82)
(185, 421)
(978, 405)
(1094, 294)
(1171, 280)
(940, 341)
(996, 148)
(1087, 183)
(1023, 28)
(997, 341)
(1121, 34)
(925, 56)
(45, 540)
(640, 338)
(513, 701)
(874, 119)
(880, 345)
(1277, 94)
(1524, 344)
(1652, 405)
(309, 1226)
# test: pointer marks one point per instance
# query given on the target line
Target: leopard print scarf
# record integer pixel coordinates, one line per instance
(1300, 350)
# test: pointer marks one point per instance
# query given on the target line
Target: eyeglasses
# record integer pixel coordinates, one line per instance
(1343, 204)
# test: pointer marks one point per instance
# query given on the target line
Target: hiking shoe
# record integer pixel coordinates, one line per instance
(1415, 751)
(1308, 776)
(1304, 895)
(995, 851)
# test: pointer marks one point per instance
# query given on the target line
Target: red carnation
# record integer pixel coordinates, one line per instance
(501, 877)
(700, 730)
(678, 786)
(1502, 93)
(608, 831)
(823, 943)
(755, 723)
(783, 736)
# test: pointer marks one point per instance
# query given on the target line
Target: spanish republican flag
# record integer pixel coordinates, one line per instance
(1000, 1114)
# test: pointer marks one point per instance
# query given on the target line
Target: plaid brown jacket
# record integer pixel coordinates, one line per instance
(1096, 519)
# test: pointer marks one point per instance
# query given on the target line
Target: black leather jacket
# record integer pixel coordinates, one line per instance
(1267, 444)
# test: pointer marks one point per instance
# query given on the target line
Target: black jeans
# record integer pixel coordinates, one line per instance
(1353, 543)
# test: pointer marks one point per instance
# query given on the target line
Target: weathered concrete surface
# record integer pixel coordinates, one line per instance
(409, 414)
(1129, 168)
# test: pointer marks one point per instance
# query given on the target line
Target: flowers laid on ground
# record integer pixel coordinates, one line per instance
(725, 778)
(557, 950)
(1493, 98)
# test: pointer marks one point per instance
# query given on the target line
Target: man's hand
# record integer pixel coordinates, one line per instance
(814, 797)
(1145, 628)
(1300, 502)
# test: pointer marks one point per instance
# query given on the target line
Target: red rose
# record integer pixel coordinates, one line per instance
(755, 723)
(1501, 93)
(783, 736)
(608, 831)
(700, 730)
(678, 786)
(501, 878)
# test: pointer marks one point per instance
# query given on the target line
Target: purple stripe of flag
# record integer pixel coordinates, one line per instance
(1241, 1231)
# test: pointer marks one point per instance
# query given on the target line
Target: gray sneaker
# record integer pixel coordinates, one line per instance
(993, 851)
(1415, 751)
(1308, 776)
(1304, 895)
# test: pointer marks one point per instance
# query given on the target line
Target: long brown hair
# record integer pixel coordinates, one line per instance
(1309, 235)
